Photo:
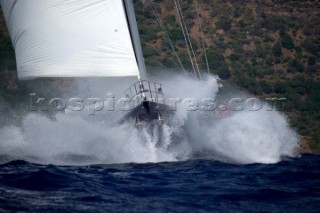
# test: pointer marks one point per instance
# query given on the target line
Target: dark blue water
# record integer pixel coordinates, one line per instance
(292, 185)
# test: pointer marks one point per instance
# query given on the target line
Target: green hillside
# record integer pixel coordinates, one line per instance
(268, 48)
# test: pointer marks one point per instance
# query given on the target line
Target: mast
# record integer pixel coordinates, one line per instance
(133, 28)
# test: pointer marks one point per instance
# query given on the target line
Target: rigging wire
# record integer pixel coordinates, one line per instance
(202, 37)
(167, 36)
(183, 23)
(185, 38)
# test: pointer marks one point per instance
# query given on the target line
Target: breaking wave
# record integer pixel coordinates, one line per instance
(240, 137)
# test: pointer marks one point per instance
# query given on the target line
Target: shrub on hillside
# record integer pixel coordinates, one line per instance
(266, 87)
(273, 23)
(224, 23)
(148, 33)
(176, 34)
(286, 41)
(170, 19)
(148, 51)
(277, 51)
(311, 69)
(215, 59)
(168, 62)
(234, 57)
(280, 87)
(295, 65)
(312, 46)
(224, 72)
(312, 61)
(7, 55)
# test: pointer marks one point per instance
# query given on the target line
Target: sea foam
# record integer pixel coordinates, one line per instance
(244, 137)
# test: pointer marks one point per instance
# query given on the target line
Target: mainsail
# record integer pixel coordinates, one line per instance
(73, 38)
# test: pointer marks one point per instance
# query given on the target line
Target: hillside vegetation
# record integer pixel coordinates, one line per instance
(270, 48)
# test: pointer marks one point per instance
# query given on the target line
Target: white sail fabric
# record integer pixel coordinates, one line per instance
(70, 38)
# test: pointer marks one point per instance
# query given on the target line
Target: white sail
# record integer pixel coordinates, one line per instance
(70, 38)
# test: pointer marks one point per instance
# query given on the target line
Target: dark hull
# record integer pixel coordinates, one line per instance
(152, 119)
(149, 114)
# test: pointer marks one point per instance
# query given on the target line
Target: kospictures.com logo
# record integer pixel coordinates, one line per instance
(111, 103)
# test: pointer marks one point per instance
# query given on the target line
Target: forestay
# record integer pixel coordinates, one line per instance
(74, 38)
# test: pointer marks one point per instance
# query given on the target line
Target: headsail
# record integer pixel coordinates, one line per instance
(74, 38)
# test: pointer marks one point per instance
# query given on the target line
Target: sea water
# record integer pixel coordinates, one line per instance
(221, 160)
(206, 185)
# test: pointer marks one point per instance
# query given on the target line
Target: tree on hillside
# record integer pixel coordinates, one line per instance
(215, 59)
(295, 65)
(224, 71)
(286, 40)
(224, 23)
(277, 51)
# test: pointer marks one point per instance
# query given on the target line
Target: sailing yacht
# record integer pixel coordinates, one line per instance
(84, 38)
